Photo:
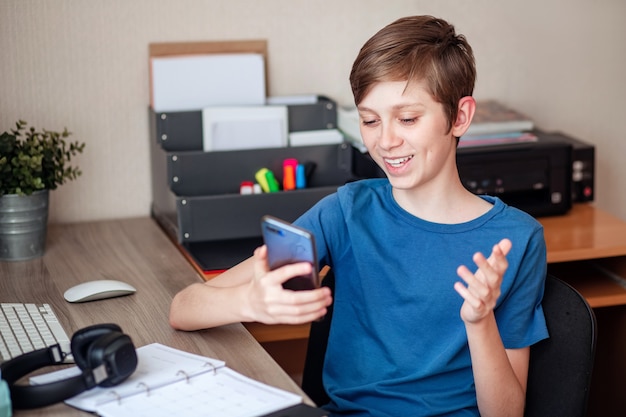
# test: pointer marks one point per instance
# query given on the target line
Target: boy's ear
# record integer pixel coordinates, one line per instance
(465, 114)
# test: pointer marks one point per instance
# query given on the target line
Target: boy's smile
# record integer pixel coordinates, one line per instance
(395, 163)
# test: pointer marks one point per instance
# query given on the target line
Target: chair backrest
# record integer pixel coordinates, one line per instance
(312, 383)
(559, 369)
(559, 374)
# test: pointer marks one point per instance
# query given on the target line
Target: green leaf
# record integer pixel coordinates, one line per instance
(31, 160)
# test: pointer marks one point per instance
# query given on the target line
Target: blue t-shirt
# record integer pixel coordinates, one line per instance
(397, 344)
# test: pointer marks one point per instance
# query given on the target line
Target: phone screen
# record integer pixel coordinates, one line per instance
(287, 244)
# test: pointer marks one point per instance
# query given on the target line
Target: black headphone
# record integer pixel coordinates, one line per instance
(105, 355)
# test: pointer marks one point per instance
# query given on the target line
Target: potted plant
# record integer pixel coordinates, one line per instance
(32, 162)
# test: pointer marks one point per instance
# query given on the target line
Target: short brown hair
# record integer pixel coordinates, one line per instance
(418, 48)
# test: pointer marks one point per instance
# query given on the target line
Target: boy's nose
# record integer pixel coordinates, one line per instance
(388, 138)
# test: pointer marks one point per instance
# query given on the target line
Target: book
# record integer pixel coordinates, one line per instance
(467, 141)
(170, 382)
(491, 116)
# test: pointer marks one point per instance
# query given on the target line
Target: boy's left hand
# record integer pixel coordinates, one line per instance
(483, 287)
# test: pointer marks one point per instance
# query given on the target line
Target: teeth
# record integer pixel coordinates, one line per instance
(397, 161)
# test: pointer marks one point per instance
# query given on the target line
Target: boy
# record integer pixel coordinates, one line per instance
(407, 337)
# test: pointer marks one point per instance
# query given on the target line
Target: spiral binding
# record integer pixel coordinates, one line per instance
(147, 388)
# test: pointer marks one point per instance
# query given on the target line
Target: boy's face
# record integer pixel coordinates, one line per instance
(406, 132)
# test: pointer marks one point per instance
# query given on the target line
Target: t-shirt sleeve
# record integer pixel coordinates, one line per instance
(519, 315)
(324, 220)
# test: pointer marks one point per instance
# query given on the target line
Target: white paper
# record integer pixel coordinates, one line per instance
(293, 99)
(315, 137)
(192, 82)
(247, 127)
(348, 122)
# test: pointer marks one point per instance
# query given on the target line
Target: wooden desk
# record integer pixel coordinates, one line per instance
(585, 232)
(138, 252)
(579, 245)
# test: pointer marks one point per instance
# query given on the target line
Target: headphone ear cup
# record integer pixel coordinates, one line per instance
(104, 354)
(118, 355)
(82, 340)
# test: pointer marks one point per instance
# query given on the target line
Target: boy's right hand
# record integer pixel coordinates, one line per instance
(270, 303)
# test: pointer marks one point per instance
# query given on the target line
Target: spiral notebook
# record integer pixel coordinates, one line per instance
(171, 382)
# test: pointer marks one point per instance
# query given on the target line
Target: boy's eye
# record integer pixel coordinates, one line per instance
(368, 122)
(409, 120)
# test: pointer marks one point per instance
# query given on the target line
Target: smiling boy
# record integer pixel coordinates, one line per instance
(408, 338)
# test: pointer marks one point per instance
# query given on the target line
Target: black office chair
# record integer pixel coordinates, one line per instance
(559, 370)
(559, 374)
(312, 383)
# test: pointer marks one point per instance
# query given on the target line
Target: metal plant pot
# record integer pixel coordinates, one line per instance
(23, 226)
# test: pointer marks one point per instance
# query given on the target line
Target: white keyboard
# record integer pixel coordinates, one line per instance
(26, 327)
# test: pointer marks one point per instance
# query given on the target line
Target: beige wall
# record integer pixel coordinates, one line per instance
(83, 64)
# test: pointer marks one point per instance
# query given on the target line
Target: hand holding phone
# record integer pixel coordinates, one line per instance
(288, 244)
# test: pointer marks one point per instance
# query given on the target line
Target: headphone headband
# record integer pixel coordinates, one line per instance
(105, 355)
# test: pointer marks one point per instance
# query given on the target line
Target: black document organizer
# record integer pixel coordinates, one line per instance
(182, 131)
(196, 196)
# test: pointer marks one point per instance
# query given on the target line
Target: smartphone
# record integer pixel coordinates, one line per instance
(288, 244)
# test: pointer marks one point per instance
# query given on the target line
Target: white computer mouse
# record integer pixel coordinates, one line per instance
(98, 290)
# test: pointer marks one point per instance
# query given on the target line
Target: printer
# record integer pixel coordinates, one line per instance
(532, 176)
(543, 177)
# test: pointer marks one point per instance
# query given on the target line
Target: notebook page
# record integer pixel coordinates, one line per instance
(223, 394)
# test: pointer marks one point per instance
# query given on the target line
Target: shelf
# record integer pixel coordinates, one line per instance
(597, 280)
